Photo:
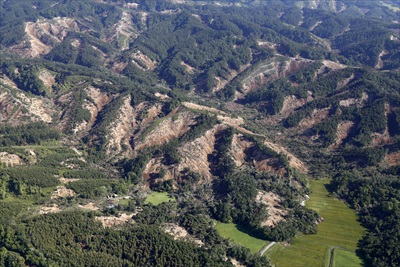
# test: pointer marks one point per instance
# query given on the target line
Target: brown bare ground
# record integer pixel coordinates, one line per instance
(6, 80)
(123, 27)
(130, 123)
(145, 60)
(10, 108)
(161, 96)
(293, 64)
(221, 82)
(131, 5)
(175, 230)
(232, 74)
(57, 28)
(170, 11)
(68, 180)
(47, 78)
(118, 67)
(189, 69)
(168, 129)
(109, 221)
(343, 83)
(266, 44)
(333, 65)
(180, 233)
(62, 191)
(76, 43)
(120, 128)
(315, 25)
(238, 148)
(154, 166)
(317, 116)
(235, 123)
(37, 107)
(10, 160)
(273, 202)
(144, 17)
(381, 139)
(293, 160)
(89, 206)
(236, 263)
(194, 15)
(100, 100)
(37, 47)
(354, 101)
(204, 108)
(194, 155)
(152, 114)
(342, 133)
(380, 63)
(393, 159)
(260, 76)
(49, 209)
(272, 70)
(292, 102)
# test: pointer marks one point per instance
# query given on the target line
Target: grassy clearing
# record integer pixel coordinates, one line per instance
(339, 229)
(123, 201)
(230, 231)
(345, 258)
(157, 198)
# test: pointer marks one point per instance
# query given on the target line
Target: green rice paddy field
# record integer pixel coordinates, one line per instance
(340, 229)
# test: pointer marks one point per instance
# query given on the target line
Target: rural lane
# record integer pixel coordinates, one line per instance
(267, 247)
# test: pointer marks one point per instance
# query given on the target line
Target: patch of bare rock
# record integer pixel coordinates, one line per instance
(10, 160)
(110, 221)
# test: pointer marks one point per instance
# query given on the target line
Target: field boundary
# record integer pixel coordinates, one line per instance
(329, 262)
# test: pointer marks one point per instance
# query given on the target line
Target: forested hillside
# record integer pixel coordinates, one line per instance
(130, 129)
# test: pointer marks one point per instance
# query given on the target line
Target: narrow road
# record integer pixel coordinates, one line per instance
(267, 247)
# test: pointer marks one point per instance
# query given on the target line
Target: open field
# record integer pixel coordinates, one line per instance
(345, 258)
(157, 198)
(229, 230)
(339, 229)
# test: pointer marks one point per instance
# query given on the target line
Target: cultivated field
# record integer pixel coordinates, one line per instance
(340, 229)
(230, 231)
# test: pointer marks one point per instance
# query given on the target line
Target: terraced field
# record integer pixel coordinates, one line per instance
(340, 229)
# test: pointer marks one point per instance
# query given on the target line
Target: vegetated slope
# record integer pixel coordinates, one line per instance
(230, 107)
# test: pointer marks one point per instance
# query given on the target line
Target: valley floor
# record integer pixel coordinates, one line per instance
(340, 230)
